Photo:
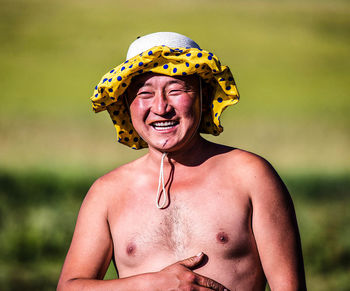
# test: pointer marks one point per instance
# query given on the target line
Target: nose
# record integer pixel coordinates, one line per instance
(160, 104)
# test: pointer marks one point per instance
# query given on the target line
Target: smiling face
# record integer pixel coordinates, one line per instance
(165, 110)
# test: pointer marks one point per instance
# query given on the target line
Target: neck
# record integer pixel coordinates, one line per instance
(192, 154)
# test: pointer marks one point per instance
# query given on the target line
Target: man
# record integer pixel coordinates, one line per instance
(190, 214)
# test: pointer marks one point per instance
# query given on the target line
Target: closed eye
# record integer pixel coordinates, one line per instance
(144, 94)
(178, 91)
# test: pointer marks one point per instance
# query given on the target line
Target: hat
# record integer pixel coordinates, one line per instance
(171, 54)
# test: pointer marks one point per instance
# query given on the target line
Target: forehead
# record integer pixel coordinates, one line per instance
(152, 79)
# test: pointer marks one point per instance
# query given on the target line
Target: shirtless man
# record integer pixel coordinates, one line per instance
(221, 219)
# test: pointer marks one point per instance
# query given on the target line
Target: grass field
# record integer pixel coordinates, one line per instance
(291, 62)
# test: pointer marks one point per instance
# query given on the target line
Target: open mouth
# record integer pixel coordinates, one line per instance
(164, 125)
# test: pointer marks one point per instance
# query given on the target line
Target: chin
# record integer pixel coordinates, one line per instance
(171, 146)
(165, 147)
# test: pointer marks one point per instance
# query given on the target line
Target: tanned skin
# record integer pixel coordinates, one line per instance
(230, 223)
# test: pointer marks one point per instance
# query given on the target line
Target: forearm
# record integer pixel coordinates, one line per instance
(134, 283)
(291, 286)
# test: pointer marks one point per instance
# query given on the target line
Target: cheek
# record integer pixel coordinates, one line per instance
(190, 106)
(138, 108)
(183, 100)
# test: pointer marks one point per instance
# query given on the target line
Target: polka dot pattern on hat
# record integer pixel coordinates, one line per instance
(172, 62)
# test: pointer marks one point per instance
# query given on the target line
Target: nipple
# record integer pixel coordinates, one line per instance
(130, 249)
(160, 193)
(222, 237)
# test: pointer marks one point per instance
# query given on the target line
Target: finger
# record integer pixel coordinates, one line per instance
(209, 283)
(192, 261)
(200, 288)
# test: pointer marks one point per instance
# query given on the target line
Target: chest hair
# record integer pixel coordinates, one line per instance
(174, 231)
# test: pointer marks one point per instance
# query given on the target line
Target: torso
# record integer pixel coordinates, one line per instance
(209, 211)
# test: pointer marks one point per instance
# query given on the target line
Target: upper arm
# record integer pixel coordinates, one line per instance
(275, 228)
(91, 248)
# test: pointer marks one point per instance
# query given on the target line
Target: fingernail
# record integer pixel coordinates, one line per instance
(201, 253)
(225, 289)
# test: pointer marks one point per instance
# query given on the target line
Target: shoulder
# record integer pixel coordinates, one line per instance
(255, 173)
(112, 185)
(249, 163)
(245, 162)
(238, 161)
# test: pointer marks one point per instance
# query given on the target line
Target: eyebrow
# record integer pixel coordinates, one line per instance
(186, 86)
(171, 82)
(140, 85)
(177, 82)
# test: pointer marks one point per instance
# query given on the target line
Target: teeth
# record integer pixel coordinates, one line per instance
(164, 124)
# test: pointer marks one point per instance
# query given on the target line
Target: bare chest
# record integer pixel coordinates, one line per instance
(217, 223)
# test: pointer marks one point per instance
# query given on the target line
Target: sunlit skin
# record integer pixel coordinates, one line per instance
(171, 103)
(227, 205)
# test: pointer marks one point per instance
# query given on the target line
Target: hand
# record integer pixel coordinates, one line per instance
(180, 276)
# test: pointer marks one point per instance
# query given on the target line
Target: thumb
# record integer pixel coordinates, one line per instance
(192, 261)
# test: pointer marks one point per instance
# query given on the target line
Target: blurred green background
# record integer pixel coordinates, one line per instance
(291, 62)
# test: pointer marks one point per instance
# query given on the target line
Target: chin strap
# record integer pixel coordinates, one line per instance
(165, 200)
(160, 192)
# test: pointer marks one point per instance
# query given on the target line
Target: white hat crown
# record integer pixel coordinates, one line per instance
(170, 39)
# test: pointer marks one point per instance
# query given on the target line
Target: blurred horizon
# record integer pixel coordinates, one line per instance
(290, 60)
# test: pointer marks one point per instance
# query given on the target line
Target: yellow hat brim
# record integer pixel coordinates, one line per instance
(171, 62)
